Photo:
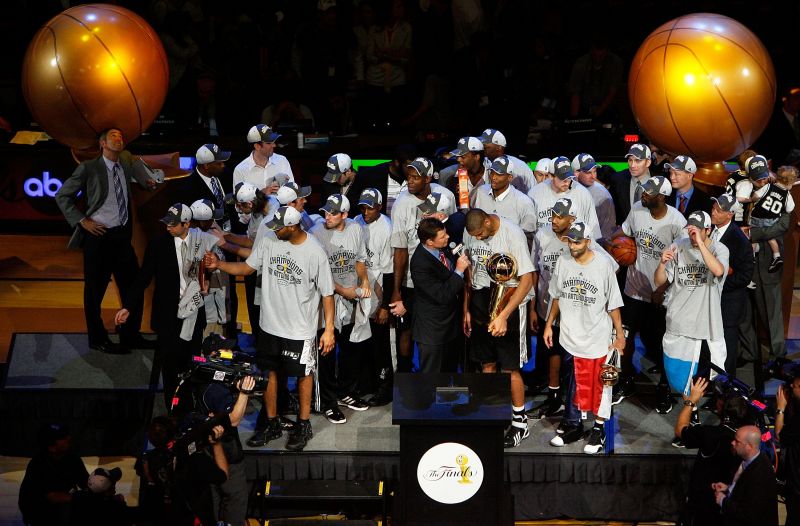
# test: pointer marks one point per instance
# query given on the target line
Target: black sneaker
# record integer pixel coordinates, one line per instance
(776, 265)
(596, 441)
(568, 435)
(553, 406)
(622, 390)
(262, 436)
(356, 404)
(515, 435)
(380, 399)
(335, 416)
(677, 442)
(300, 436)
(663, 401)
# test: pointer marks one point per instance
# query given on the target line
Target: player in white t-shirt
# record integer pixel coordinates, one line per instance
(695, 267)
(585, 169)
(501, 198)
(562, 184)
(343, 241)
(498, 342)
(586, 300)
(406, 216)
(654, 225)
(380, 268)
(297, 281)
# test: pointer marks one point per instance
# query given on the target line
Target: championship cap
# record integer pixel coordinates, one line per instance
(338, 164)
(245, 192)
(492, 136)
(563, 207)
(336, 204)
(578, 232)
(284, 216)
(657, 185)
(544, 165)
(423, 166)
(290, 191)
(728, 203)
(502, 165)
(435, 202)
(756, 167)
(466, 145)
(699, 219)
(683, 163)
(262, 133)
(208, 153)
(370, 197)
(562, 168)
(203, 210)
(583, 162)
(177, 213)
(639, 151)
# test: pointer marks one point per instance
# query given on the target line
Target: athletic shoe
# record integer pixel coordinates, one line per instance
(776, 265)
(356, 404)
(380, 399)
(622, 390)
(568, 435)
(751, 285)
(262, 436)
(552, 406)
(335, 416)
(663, 400)
(596, 441)
(300, 436)
(515, 435)
(677, 442)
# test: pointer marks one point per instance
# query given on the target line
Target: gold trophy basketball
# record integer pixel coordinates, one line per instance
(501, 268)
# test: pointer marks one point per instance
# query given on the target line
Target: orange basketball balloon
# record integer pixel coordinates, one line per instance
(703, 85)
(93, 67)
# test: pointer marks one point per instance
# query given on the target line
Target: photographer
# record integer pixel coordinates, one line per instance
(787, 428)
(230, 496)
(195, 474)
(715, 460)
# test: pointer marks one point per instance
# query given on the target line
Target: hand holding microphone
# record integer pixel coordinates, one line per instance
(463, 260)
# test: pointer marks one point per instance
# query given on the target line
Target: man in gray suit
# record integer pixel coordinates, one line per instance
(103, 229)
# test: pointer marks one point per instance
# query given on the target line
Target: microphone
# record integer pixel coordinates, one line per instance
(456, 249)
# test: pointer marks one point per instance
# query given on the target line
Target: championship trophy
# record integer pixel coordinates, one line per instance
(501, 268)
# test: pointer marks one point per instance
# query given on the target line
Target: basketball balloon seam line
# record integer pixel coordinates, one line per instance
(66, 86)
(716, 88)
(147, 29)
(666, 96)
(121, 72)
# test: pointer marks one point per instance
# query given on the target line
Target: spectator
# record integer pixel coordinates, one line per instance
(45, 495)
(594, 81)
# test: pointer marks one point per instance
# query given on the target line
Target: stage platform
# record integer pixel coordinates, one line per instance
(641, 476)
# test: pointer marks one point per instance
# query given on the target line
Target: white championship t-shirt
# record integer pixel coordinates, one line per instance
(544, 197)
(509, 239)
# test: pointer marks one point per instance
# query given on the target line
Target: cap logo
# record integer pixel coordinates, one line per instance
(462, 141)
(331, 166)
(562, 164)
(173, 210)
(279, 215)
(370, 193)
(637, 147)
(502, 161)
(757, 164)
(334, 199)
(215, 148)
(264, 129)
(424, 162)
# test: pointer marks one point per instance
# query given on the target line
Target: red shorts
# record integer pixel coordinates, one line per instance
(590, 393)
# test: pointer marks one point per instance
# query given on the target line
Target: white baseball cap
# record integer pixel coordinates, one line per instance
(208, 153)
(492, 136)
(245, 192)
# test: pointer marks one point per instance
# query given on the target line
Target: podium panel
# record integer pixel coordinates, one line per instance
(451, 448)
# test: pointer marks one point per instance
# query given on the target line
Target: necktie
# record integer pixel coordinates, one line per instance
(637, 193)
(715, 234)
(682, 205)
(184, 251)
(122, 207)
(443, 259)
(218, 197)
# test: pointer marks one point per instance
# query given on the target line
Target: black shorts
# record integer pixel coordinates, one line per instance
(556, 349)
(508, 351)
(294, 357)
(641, 316)
(404, 322)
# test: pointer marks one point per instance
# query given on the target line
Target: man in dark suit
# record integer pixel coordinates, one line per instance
(752, 498)
(734, 292)
(103, 229)
(686, 197)
(781, 139)
(438, 282)
(178, 313)
(626, 185)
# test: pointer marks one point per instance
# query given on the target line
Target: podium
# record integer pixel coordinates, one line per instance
(451, 448)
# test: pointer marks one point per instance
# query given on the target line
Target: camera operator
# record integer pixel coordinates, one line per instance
(787, 428)
(195, 474)
(715, 460)
(230, 496)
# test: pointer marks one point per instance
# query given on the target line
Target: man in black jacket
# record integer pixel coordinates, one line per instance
(626, 185)
(751, 499)
(734, 292)
(439, 282)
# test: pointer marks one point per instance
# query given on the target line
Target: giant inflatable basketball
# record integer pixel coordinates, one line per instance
(703, 85)
(92, 67)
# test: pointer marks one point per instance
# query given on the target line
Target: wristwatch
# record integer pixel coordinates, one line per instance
(689, 403)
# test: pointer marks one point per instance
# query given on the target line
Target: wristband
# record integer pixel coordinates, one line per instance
(779, 411)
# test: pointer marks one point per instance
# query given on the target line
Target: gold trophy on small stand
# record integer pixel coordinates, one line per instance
(501, 268)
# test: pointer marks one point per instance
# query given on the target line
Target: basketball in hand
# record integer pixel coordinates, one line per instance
(623, 250)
